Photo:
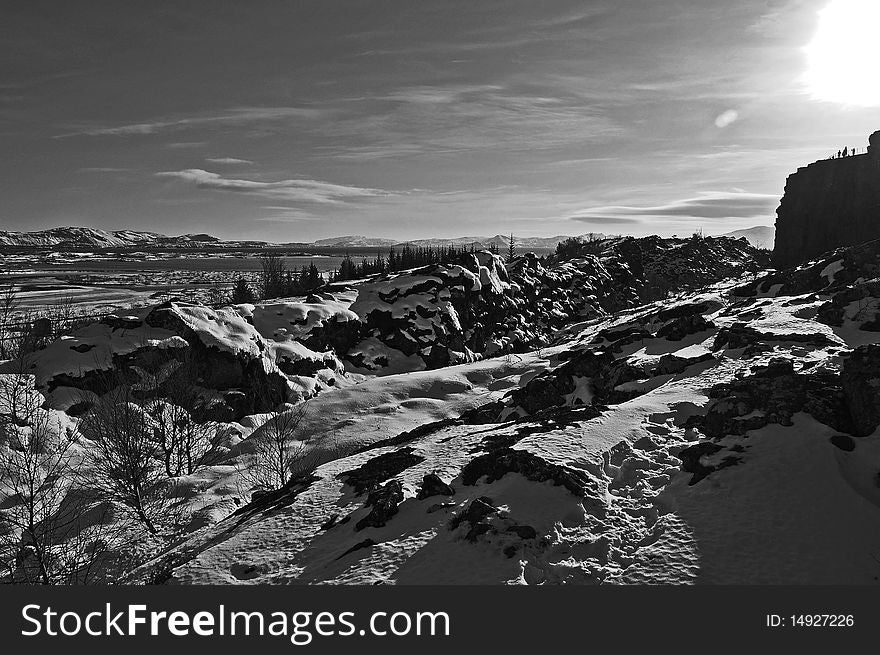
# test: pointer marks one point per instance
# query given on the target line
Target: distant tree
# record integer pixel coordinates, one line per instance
(242, 292)
(511, 249)
(273, 276)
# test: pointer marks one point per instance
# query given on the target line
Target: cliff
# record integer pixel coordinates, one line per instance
(829, 204)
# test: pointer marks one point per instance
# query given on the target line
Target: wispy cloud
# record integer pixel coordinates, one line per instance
(286, 215)
(185, 145)
(297, 190)
(595, 216)
(456, 118)
(101, 169)
(227, 160)
(234, 116)
(710, 205)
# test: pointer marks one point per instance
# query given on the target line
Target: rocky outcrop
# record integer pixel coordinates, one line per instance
(829, 204)
(861, 385)
(250, 358)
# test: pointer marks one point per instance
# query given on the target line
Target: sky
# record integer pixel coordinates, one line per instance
(304, 119)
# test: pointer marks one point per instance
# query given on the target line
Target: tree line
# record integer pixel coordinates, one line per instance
(277, 281)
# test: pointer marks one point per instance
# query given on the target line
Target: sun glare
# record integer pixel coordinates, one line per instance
(844, 55)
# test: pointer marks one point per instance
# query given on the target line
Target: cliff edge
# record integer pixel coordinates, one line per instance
(829, 204)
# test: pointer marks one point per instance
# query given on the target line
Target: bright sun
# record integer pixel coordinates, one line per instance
(845, 54)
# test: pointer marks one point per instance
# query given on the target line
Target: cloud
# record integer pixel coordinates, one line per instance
(280, 214)
(726, 118)
(308, 191)
(228, 160)
(711, 205)
(457, 118)
(234, 116)
(591, 216)
(181, 145)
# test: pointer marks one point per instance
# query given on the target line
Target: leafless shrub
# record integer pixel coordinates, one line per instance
(184, 443)
(8, 307)
(50, 532)
(124, 464)
(278, 455)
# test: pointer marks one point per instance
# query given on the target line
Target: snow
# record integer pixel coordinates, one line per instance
(582, 494)
(787, 515)
(831, 270)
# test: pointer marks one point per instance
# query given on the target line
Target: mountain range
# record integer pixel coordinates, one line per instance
(87, 237)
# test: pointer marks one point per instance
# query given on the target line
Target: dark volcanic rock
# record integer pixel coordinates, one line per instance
(380, 468)
(861, 386)
(678, 328)
(496, 464)
(740, 335)
(432, 485)
(773, 394)
(476, 515)
(844, 442)
(384, 503)
(691, 460)
(828, 204)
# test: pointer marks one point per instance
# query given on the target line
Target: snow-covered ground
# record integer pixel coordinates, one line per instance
(722, 435)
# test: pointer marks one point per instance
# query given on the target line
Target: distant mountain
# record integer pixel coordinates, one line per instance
(354, 241)
(760, 236)
(86, 237)
(77, 236)
(498, 240)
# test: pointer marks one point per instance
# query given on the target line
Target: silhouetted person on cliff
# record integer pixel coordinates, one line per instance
(844, 151)
(838, 154)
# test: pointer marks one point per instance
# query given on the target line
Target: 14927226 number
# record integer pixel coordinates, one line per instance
(822, 620)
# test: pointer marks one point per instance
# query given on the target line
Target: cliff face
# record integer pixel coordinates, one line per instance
(829, 204)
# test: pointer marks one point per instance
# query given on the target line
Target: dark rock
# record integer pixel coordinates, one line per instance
(476, 511)
(740, 335)
(670, 363)
(523, 531)
(475, 515)
(380, 468)
(432, 485)
(861, 386)
(690, 460)
(384, 503)
(774, 394)
(844, 442)
(678, 328)
(826, 205)
(498, 463)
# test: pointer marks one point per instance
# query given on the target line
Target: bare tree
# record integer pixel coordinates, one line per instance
(272, 275)
(50, 532)
(124, 463)
(8, 307)
(184, 441)
(279, 452)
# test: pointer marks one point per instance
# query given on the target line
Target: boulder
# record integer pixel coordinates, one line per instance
(861, 386)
